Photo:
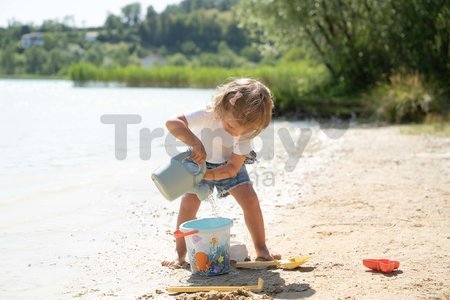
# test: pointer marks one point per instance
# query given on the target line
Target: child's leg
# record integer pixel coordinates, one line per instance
(246, 196)
(188, 210)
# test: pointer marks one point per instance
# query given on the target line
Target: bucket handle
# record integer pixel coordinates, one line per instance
(178, 234)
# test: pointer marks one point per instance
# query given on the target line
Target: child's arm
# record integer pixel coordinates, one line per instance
(178, 127)
(228, 170)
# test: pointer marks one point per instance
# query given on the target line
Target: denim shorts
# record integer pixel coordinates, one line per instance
(223, 186)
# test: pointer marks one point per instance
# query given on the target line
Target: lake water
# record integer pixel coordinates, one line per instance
(52, 126)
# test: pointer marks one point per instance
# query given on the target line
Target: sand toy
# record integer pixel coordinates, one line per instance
(284, 263)
(238, 251)
(193, 289)
(208, 245)
(381, 265)
(181, 176)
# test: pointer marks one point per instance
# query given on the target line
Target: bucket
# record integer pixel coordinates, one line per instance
(208, 245)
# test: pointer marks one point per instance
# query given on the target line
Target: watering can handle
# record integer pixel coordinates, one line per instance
(178, 234)
(201, 173)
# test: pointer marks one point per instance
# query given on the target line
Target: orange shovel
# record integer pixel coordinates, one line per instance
(381, 265)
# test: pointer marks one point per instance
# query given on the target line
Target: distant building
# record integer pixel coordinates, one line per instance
(152, 60)
(32, 39)
(91, 36)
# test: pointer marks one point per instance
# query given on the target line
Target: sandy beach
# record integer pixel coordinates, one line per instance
(380, 194)
(373, 192)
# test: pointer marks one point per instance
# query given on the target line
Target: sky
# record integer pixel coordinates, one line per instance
(85, 12)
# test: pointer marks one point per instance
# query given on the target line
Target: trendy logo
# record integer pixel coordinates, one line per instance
(294, 147)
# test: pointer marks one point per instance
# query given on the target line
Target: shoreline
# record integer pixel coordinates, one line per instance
(334, 115)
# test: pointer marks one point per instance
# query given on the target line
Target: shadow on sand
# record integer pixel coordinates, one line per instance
(274, 285)
(392, 274)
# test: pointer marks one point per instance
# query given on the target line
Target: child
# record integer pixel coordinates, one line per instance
(221, 134)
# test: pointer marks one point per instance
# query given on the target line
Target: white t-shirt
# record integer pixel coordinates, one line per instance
(218, 143)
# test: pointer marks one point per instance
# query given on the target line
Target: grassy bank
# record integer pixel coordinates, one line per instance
(201, 77)
(301, 89)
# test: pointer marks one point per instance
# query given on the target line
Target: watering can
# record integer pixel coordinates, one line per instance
(180, 177)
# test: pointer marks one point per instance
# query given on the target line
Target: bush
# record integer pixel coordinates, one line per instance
(406, 99)
(177, 59)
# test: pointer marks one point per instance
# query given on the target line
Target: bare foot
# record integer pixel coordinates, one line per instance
(177, 263)
(264, 254)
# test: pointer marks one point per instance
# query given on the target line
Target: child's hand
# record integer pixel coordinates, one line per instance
(198, 153)
(209, 175)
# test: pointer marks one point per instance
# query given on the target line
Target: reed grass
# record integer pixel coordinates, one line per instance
(300, 89)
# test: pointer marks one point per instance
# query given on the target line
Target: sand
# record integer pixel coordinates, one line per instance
(371, 193)
(380, 194)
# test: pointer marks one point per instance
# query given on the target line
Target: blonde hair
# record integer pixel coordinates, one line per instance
(251, 103)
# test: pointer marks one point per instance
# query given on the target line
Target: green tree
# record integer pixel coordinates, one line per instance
(56, 61)
(251, 53)
(12, 34)
(50, 41)
(131, 14)
(8, 61)
(35, 60)
(424, 32)
(20, 64)
(359, 41)
(113, 22)
(149, 28)
(51, 26)
(94, 55)
(178, 59)
(114, 29)
(120, 54)
(189, 48)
